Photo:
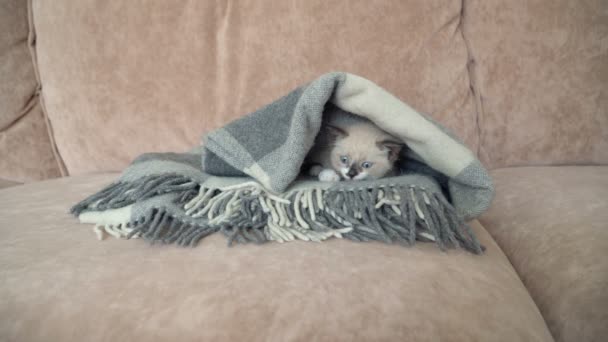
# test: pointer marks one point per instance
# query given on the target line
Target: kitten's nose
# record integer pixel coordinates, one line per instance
(352, 172)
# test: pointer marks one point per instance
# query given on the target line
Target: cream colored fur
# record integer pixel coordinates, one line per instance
(352, 138)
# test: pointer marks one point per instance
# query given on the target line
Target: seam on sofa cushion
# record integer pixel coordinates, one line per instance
(473, 76)
(31, 102)
(31, 42)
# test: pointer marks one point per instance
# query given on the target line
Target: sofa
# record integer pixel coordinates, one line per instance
(85, 86)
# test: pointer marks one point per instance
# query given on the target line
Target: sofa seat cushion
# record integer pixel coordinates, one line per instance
(552, 223)
(5, 183)
(59, 283)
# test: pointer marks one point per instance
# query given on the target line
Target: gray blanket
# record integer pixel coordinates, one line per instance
(245, 182)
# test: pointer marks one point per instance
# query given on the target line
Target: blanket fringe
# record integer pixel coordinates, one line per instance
(159, 226)
(248, 213)
(392, 214)
(121, 194)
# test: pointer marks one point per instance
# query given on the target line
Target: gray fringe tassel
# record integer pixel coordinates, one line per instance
(121, 194)
(418, 216)
(160, 226)
(387, 213)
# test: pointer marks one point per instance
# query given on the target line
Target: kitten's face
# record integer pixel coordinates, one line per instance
(359, 157)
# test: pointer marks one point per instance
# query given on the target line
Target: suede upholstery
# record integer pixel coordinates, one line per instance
(72, 285)
(541, 74)
(26, 152)
(176, 69)
(523, 82)
(556, 236)
(16, 70)
(5, 183)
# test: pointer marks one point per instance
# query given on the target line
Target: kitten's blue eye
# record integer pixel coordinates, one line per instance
(344, 160)
(367, 165)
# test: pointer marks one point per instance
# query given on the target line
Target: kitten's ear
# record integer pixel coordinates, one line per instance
(393, 147)
(335, 132)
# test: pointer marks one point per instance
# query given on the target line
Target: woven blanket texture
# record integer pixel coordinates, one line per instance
(245, 181)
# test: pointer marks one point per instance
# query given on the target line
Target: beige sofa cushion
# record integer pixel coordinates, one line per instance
(541, 70)
(61, 284)
(25, 148)
(5, 183)
(552, 223)
(125, 77)
(18, 81)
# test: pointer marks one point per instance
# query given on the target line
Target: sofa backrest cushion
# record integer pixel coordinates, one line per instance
(124, 77)
(26, 152)
(541, 69)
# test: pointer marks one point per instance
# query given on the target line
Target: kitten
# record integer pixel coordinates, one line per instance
(351, 147)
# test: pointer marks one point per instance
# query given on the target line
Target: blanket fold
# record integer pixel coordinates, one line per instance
(245, 181)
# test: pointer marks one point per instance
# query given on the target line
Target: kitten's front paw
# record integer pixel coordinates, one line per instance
(328, 175)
